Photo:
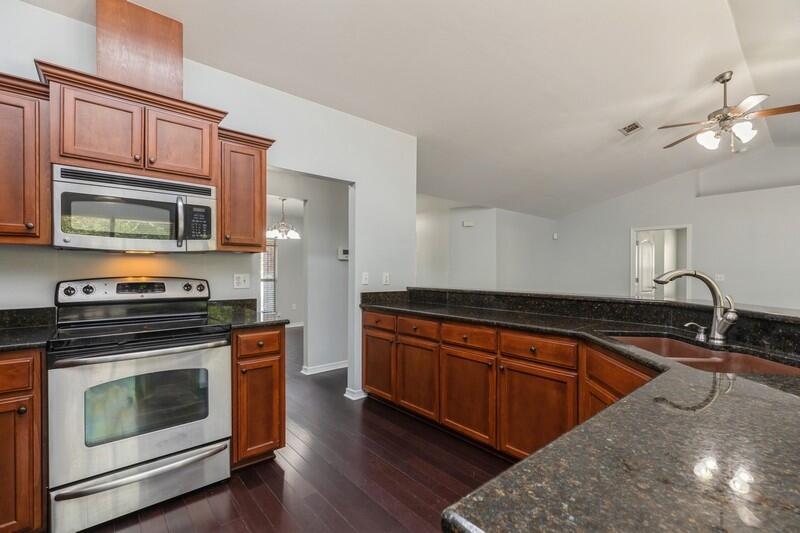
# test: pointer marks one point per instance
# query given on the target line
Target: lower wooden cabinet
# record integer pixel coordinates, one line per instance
(418, 376)
(259, 387)
(537, 404)
(468, 393)
(594, 399)
(379, 363)
(21, 489)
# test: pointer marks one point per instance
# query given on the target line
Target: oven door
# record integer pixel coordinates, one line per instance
(112, 411)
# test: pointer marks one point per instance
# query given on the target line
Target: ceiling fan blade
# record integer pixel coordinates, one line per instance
(774, 111)
(699, 122)
(748, 103)
(701, 130)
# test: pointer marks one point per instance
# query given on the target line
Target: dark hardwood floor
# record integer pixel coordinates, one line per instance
(347, 466)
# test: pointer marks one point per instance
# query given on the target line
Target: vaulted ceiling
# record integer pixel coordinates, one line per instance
(515, 104)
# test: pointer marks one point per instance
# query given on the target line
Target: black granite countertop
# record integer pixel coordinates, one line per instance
(688, 451)
(242, 314)
(17, 338)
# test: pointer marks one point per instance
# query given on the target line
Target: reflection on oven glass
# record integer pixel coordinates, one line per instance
(140, 404)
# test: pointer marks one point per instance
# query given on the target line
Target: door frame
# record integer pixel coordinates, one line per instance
(632, 263)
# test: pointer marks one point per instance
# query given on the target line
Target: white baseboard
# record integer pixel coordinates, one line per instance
(327, 367)
(295, 325)
(354, 394)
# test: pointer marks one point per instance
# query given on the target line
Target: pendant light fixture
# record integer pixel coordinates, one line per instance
(282, 230)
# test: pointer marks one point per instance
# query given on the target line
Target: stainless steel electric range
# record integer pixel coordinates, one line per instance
(139, 397)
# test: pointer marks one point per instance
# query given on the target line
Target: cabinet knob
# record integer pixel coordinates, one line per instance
(502, 367)
(151, 160)
(137, 157)
(227, 236)
(260, 344)
(22, 409)
(29, 225)
(244, 371)
(465, 338)
(414, 328)
(378, 321)
(533, 349)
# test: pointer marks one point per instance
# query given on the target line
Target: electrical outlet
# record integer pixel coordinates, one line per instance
(386, 280)
(294, 307)
(719, 277)
(241, 281)
(365, 278)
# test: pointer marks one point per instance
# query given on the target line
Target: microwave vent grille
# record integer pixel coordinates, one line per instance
(115, 179)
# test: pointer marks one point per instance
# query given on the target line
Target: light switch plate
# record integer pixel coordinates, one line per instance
(719, 277)
(386, 279)
(365, 278)
(241, 281)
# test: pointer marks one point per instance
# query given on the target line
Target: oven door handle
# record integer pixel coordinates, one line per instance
(181, 222)
(83, 361)
(147, 474)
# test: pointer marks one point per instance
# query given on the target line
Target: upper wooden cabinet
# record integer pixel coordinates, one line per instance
(243, 191)
(179, 144)
(111, 126)
(24, 152)
(101, 128)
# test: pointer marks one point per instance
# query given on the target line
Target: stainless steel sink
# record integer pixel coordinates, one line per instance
(709, 360)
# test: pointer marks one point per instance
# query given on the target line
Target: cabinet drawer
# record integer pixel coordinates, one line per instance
(378, 320)
(259, 343)
(550, 350)
(408, 325)
(479, 337)
(16, 372)
(616, 376)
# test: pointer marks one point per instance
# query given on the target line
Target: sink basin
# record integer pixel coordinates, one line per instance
(709, 360)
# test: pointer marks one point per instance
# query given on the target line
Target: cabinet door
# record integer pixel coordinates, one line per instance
(379, 363)
(259, 393)
(537, 405)
(593, 400)
(17, 491)
(179, 144)
(19, 180)
(468, 393)
(243, 196)
(418, 376)
(101, 128)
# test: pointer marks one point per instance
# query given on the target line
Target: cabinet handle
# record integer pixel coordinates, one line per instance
(151, 160)
(22, 410)
(29, 225)
(137, 157)
(533, 349)
(227, 236)
(260, 344)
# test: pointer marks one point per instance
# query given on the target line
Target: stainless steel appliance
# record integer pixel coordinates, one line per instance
(139, 397)
(111, 211)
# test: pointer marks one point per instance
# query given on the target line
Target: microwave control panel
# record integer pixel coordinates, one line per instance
(198, 222)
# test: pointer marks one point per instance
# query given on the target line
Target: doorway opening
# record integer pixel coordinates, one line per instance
(655, 250)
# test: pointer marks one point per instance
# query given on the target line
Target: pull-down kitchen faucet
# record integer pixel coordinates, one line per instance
(724, 315)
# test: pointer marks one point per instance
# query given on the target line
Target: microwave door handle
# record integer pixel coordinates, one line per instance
(181, 222)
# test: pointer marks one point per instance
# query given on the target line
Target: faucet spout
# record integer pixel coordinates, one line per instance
(723, 316)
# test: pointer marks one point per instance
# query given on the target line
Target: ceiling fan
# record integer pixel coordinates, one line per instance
(733, 121)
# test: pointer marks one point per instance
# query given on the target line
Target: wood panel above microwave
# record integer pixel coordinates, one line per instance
(110, 126)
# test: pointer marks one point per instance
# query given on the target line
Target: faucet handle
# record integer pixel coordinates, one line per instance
(729, 301)
(701, 331)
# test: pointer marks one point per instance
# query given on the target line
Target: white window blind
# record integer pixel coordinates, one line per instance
(269, 280)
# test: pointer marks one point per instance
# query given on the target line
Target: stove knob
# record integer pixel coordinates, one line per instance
(201, 287)
(187, 287)
(88, 289)
(69, 291)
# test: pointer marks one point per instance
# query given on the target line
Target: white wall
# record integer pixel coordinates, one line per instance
(310, 138)
(473, 250)
(433, 254)
(325, 229)
(525, 251)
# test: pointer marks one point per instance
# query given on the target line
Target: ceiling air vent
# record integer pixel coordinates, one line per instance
(630, 129)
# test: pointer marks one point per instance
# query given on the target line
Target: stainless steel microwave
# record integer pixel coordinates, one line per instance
(99, 210)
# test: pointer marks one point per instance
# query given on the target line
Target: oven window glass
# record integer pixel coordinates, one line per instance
(148, 402)
(110, 216)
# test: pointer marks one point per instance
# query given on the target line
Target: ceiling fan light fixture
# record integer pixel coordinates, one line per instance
(744, 131)
(708, 140)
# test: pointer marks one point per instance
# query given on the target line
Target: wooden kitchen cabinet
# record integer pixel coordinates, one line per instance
(378, 362)
(243, 191)
(25, 210)
(179, 144)
(605, 378)
(21, 490)
(537, 404)
(468, 393)
(418, 375)
(259, 390)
